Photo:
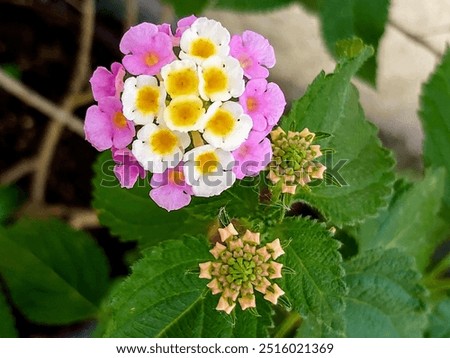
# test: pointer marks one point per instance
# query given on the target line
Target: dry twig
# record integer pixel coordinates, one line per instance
(35, 100)
(55, 128)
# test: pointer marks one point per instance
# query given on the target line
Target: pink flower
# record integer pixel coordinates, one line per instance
(106, 83)
(252, 157)
(147, 49)
(170, 190)
(264, 102)
(106, 126)
(254, 53)
(183, 24)
(127, 169)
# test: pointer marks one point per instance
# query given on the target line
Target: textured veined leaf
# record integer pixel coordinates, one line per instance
(359, 162)
(316, 289)
(410, 221)
(439, 323)
(55, 275)
(385, 298)
(163, 298)
(435, 115)
(343, 19)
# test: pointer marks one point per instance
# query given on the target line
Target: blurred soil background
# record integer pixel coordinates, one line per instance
(51, 47)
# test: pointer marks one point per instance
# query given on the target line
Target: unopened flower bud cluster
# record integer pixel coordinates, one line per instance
(242, 267)
(294, 159)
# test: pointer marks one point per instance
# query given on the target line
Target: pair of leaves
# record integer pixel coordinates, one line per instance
(360, 163)
(54, 274)
(162, 297)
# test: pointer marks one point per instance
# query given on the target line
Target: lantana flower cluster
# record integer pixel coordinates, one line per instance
(242, 266)
(294, 159)
(192, 107)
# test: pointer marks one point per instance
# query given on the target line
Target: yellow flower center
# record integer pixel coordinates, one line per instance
(203, 47)
(182, 82)
(216, 80)
(176, 177)
(207, 162)
(163, 142)
(147, 101)
(245, 61)
(151, 59)
(185, 111)
(252, 104)
(119, 120)
(221, 123)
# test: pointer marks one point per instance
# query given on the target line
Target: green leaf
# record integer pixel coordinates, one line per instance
(161, 298)
(186, 8)
(251, 5)
(9, 201)
(360, 163)
(316, 289)
(384, 297)
(409, 222)
(132, 215)
(435, 115)
(7, 325)
(55, 275)
(343, 19)
(439, 326)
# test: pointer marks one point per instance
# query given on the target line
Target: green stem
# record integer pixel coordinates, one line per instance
(291, 322)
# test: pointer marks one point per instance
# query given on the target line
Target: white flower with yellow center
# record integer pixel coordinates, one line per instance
(204, 39)
(184, 114)
(221, 78)
(180, 78)
(158, 148)
(143, 99)
(226, 125)
(208, 170)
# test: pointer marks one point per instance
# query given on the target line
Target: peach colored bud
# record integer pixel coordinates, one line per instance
(205, 270)
(276, 133)
(275, 270)
(262, 285)
(275, 249)
(214, 286)
(289, 178)
(273, 177)
(227, 232)
(225, 305)
(305, 133)
(263, 253)
(273, 293)
(230, 293)
(235, 244)
(215, 270)
(289, 189)
(318, 172)
(249, 249)
(247, 302)
(217, 250)
(251, 237)
(265, 269)
(316, 148)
